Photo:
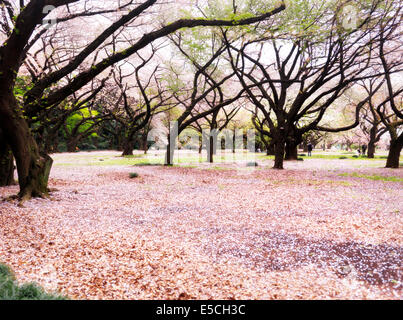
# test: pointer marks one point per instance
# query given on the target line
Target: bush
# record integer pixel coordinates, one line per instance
(343, 157)
(252, 164)
(133, 175)
(11, 290)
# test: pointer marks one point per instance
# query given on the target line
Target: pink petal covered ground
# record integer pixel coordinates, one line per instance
(204, 233)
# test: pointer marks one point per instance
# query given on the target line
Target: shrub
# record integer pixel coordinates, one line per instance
(343, 157)
(11, 290)
(133, 175)
(252, 164)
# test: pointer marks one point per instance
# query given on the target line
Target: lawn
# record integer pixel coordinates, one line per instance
(117, 228)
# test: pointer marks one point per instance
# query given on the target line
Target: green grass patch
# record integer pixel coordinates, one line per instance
(372, 177)
(11, 290)
(219, 168)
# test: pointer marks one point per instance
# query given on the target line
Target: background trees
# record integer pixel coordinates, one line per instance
(23, 27)
(295, 67)
(299, 73)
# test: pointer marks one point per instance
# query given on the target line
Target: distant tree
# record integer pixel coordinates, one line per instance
(315, 60)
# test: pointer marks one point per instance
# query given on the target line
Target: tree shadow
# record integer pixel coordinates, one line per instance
(276, 251)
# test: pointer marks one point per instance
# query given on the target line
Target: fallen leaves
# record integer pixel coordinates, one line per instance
(200, 233)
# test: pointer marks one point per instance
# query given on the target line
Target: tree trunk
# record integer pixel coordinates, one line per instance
(291, 146)
(371, 149)
(234, 141)
(372, 141)
(72, 146)
(119, 143)
(291, 151)
(169, 155)
(270, 149)
(279, 150)
(394, 152)
(145, 144)
(6, 163)
(210, 150)
(127, 147)
(33, 167)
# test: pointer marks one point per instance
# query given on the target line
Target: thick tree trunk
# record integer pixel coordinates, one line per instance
(291, 146)
(291, 151)
(127, 147)
(279, 150)
(394, 153)
(6, 163)
(33, 167)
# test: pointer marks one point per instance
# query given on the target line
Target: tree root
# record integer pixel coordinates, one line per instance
(22, 198)
(10, 198)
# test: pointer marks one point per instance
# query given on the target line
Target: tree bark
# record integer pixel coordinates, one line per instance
(291, 147)
(291, 151)
(210, 150)
(6, 163)
(127, 147)
(169, 155)
(33, 167)
(372, 141)
(145, 144)
(371, 149)
(279, 150)
(394, 152)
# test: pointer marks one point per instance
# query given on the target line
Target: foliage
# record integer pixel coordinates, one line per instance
(77, 117)
(11, 290)
(133, 175)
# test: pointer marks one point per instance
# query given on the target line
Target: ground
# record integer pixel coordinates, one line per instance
(324, 228)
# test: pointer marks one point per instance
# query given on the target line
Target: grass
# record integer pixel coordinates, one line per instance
(371, 177)
(342, 156)
(219, 168)
(11, 290)
(189, 158)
